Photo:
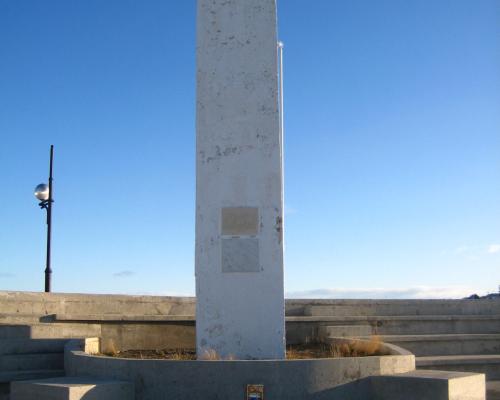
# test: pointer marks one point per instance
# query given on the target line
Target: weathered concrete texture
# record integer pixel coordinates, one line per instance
(332, 379)
(72, 388)
(344, 331)
(393, 307)
(429, 385)
(408, 325)
(147, 336)
(239, 210)
(43, 304)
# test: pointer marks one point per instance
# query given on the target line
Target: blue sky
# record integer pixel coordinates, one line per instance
(392, 146)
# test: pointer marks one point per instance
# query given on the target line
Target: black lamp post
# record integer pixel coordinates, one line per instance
(43, 192)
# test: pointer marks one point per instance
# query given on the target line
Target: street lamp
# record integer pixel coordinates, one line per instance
(43, 192)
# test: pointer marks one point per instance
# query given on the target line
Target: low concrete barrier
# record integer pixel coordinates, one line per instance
(334, 378)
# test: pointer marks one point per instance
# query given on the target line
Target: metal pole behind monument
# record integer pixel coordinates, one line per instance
(48, 270)
(282, 123)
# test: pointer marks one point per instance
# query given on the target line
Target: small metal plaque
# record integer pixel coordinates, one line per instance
(240, 221)
(240, 255)
(255, 392)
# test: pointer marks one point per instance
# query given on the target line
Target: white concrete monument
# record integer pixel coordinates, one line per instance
(239, 182)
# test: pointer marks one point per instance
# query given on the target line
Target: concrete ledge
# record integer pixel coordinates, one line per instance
(72, 388)
(9, 376)
(401, 324)
(49, 331)
(447, 344)
(375, 318)
(23, 362)
(123, 318)
(31, 346)
(429, 385)
(345, 331)
(397, 307)
(488, 364)
(471, 359)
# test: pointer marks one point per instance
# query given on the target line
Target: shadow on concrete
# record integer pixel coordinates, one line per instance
(356, 390)
(15, 332)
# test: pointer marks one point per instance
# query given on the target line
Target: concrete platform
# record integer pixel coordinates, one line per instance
(429, 385)
(485, 364)
(72, 388)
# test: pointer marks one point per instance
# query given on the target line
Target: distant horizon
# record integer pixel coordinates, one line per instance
(422, 293)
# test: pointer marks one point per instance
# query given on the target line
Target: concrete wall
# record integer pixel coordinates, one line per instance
(39, 304)
(336, 378)
(239, 202)
(160, 322)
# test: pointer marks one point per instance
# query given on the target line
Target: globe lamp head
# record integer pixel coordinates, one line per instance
(42, 192)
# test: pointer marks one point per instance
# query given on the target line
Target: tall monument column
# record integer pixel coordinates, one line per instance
(239, 182)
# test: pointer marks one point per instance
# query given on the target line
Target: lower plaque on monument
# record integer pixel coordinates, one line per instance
(240, 255)
(255, 392)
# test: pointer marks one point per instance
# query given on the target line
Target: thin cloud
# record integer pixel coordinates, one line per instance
(123, 274)
(463, 249)
(493, 248)
(418, 292)
(289, 210)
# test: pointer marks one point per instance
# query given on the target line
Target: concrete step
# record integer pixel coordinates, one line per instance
(25, 362)
(49, 331)
(493, 390)
(398, 307)
(72, 388)
(345, 331)
(429, 385)
(31, 346)
(485, 364)
(11, 376)
(411, 325)
(447, 344)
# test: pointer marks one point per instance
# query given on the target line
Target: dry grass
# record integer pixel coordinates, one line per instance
(210, 355)
(341, 348)
(110, 349)
(345, 348)
(165, 354)
(169, 354)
